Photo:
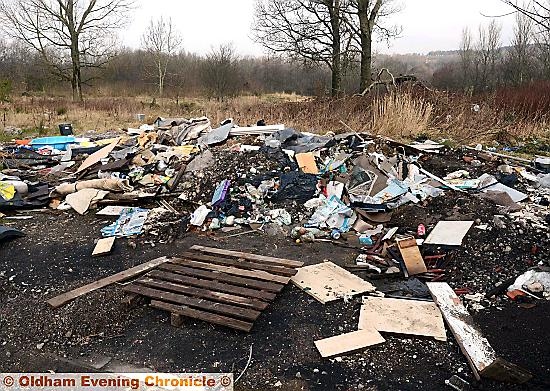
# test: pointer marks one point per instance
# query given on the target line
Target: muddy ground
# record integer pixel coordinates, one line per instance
(100, 332)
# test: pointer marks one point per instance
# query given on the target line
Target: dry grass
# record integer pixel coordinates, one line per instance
(401, 115)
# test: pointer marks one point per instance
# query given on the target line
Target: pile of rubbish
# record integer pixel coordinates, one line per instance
(188, 176)
(178, 176)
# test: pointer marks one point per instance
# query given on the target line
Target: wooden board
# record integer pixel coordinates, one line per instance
(64, 298)
(473, 344)
(202, 293)
(96, 157)
(103, 246)
(348, 343)
(222, 277)
(206, 305)
(402, 317)
(306, 163)
(201, 315)
(328, 282)
(449, 233)
(241, 263)
(412, 257)
(260, 275)
(250, 257)
(218, 286)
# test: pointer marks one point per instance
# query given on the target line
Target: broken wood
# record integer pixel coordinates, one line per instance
(411, 256)
(348, 343)
(328, 282)
(402, 317)
(97, 156)
(135, 271)
(103, 246)
(473, 344)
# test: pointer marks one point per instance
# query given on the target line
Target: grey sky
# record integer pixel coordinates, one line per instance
(427, 24)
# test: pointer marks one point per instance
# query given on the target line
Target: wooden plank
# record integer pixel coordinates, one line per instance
(473, 344)
(95, 157)
(402, 317)
(241, 263)
(328, 282)
(226, 309)
(202, 315)
(412, 257)
(204, 293)
(214, 285)
(348, 343)
(127, 274)
(233, 270)
(250, 257)
(222, 277)
(103, 246)
(176, 320)
(306, 163)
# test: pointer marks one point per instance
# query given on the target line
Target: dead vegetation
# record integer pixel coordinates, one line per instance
(506, 116)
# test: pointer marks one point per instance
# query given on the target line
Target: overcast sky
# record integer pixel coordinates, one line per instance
(427, 24)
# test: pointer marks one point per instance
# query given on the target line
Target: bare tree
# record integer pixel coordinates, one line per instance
(309, 30)
(367, 18)
(520, 51)
(466, 53)
(69, 35)
(220, 72)
(162, 41)
(487, 55)
(536, 10)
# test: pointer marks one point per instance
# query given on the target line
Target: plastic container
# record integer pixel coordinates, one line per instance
(65, 129)
(58, 142)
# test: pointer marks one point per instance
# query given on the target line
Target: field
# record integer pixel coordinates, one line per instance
(509, 116)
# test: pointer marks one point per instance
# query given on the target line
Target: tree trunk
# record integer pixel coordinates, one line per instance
(161, 80)
(76, 80)
(366, 49)
(336, 49)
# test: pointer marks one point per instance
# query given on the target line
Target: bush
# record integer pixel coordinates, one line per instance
(5, 90)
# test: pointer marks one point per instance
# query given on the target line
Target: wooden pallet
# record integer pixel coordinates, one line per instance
(228, 288)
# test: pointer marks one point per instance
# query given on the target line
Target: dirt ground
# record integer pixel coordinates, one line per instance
(99, 332)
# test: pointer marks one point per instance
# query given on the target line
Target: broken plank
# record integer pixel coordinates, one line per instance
(127, 274)
(201, 315)
(97, 156)
(204, 293)
(251, 257)
(402, 317)
(103, 246)
(226, 309)
(348, 343)
(473, 344)
(328, 282)
(233, 270)
(241, 263)
(214, 285)
(412, 257)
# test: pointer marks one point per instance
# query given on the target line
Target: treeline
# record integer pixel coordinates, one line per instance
(132, 72)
